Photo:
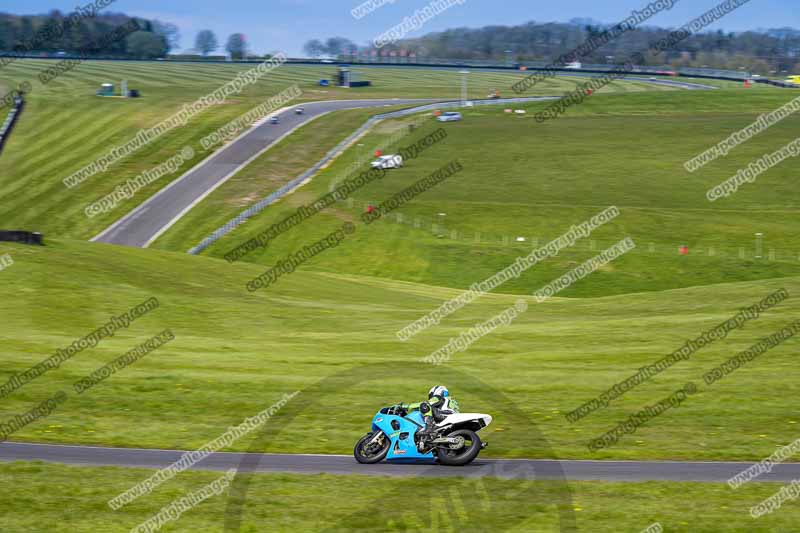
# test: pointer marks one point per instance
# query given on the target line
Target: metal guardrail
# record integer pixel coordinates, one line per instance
(280, 193)
(11, 119)
(23, 237)
(778, 83)
(542, 65)
(299, 180)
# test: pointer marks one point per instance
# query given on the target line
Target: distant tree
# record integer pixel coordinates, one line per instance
(147, 25)
(314, 48)
(8, 34)
(170, 33)
(206, 42)
(26, 32)
(349, 47)
(54, 24)
(335, 46)
(80, 37)
(237, 46)
(145, 45)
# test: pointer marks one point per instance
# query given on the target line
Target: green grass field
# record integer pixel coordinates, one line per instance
(46, 498)
(329, 329)
(524, 179)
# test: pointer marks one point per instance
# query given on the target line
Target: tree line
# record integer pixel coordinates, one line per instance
(22, 34)
(763, 51)
(773, 51)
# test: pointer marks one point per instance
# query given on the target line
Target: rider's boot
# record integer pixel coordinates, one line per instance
(428, 431)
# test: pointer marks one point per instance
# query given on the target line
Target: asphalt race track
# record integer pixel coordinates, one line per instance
(144, 224)
(623, 471)
(153, 217)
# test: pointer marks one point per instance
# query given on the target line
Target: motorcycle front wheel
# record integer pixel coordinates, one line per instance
(368, 454)
(462, 456)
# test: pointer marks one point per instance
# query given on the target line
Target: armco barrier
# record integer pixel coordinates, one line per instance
(13, 115)
(778, 83)
(22, 237)
(296, 182)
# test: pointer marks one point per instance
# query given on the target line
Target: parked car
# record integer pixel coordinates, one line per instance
(388, 161)
(273, 120)
(449, 116)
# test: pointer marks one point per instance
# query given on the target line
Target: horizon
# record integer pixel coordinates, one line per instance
(753, 16)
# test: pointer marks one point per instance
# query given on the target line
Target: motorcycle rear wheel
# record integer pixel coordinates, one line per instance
(374, 454)
(463, 456)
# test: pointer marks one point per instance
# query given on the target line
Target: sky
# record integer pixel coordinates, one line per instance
(285, 25)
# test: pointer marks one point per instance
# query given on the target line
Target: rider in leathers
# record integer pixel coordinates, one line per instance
(436, 409)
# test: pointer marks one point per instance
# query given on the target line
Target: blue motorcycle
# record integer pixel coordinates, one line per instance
(395, 437)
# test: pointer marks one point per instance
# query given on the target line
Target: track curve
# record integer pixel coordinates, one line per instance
(157, 214)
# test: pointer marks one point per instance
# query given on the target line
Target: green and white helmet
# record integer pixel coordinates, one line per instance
(438, 390)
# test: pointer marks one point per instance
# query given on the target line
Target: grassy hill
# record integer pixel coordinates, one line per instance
(236, 353)
(531, 180)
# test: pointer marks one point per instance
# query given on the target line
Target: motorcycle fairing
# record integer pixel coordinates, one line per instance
(401, 449)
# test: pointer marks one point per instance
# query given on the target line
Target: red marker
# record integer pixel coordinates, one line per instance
(684, 250)
(370, 208)
(378, 153)
(590, 92)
